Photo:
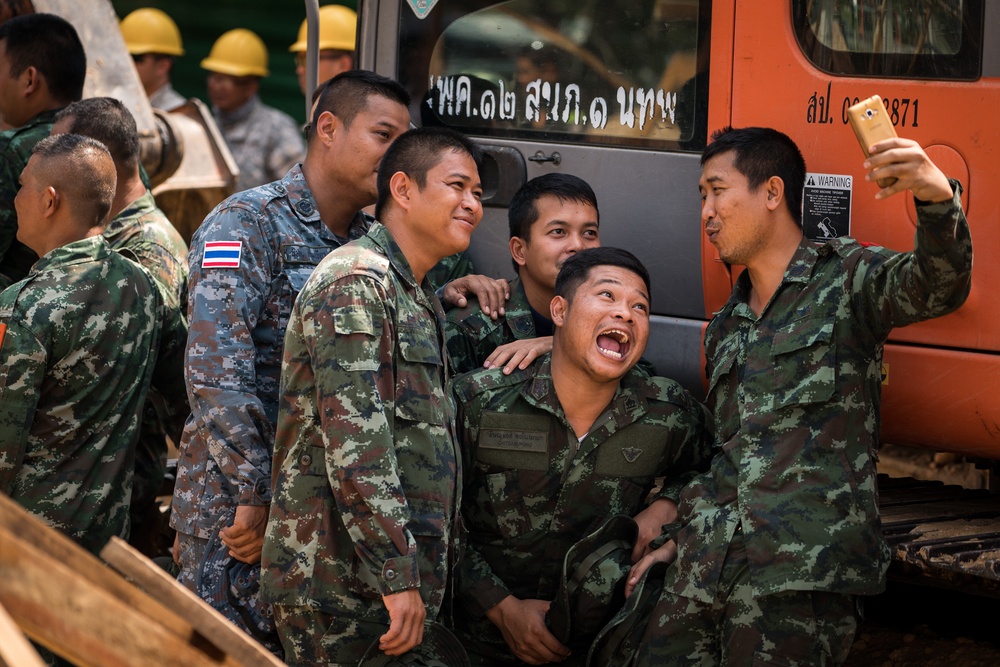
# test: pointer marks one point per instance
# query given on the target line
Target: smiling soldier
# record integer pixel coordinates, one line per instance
(363, 528)
(553, 451)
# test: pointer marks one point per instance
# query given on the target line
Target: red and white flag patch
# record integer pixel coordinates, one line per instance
(222, 255)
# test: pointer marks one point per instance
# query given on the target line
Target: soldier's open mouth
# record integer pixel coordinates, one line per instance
(613, 343)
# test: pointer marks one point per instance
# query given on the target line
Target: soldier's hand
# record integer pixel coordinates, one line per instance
(522, 623)
(245, 538)
(491, 293)
(651, 521)
(667, 553)
(406, 622)
(906, 161)
(518, 354)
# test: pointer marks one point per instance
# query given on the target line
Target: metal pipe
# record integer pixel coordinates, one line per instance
(312, 52)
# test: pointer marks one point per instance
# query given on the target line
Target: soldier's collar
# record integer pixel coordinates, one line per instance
(383, 239)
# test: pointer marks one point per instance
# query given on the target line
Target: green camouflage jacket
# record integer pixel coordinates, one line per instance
(15, 149)
(795, 396)
(472, 335)
(532, 490)
(144, 230)
(78, 335)
(365, 469)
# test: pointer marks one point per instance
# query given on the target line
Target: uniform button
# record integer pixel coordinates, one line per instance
(260, 488)
(280, 189)
(390, 574)
(305, 207)
(305, 459)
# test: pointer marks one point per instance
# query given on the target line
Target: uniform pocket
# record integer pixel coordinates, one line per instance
(804, 363)
(420, 377)
(509, 511)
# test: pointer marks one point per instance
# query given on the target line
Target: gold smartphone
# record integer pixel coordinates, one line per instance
(872, 124)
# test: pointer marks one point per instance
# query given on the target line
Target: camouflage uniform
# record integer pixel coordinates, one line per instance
(15, 149)
(366, 486)
(144, 230)
(78, 334)
(472, 335)
(791, 492)
(533, 490)
(166, 98)
(265, 142)
(237, 318)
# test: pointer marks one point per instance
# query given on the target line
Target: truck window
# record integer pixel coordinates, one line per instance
(629, 74)
(914, 39)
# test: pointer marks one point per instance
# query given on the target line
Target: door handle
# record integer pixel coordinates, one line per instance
(540, 157)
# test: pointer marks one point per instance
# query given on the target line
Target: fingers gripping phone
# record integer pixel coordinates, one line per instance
(871, 124)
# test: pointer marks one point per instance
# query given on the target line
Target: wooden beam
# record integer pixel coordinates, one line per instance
(65, 611)
(205, 619)
(15, 649)
(55, 544)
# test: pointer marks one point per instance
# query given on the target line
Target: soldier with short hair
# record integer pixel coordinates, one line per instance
(364, 527)
(42, 69)
(248, 261)
(779, 540)
(76, 339)
(139, 227)
(551, 217)
(553, 451)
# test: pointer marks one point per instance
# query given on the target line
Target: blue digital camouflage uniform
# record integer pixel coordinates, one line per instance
(533, 490)
(144, 230)
(789, 504)
(366, 486)
(472, 335)
(15, 149)
(78, 334)
(265, 142)
(240, 299)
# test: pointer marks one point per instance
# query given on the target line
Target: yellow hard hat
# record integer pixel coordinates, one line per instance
(238, 52)
(149, 30)
(337, 29)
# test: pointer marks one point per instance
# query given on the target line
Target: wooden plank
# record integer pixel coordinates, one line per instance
(15, 649)
(204, 619)
(18, 521)
(68, 613)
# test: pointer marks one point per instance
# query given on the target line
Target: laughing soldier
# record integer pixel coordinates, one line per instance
(554, 450)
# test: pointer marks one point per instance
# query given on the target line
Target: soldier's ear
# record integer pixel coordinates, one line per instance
(30, 80)
(517, 246)
(401, 188)
(326, 127)
(558, 309)
(775, 188)
(51, 201)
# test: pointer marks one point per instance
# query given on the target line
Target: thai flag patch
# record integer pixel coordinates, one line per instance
(222, 255)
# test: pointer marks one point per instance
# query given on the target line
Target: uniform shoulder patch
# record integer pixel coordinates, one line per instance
(222, 255)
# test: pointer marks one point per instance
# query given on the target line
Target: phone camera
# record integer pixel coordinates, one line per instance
(869, 113)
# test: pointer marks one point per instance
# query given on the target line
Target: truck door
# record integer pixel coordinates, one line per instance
(616, 93)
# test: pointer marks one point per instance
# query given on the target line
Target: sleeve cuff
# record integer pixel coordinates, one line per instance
(256, 493)
(484, 595)
(399, 574)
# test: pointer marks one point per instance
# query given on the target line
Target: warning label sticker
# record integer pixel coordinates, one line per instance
(422, 7)
(826, 206)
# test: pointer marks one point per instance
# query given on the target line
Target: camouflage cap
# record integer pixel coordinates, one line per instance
(440, 648)
(617, 642)
(593, 581)
(233, 588)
